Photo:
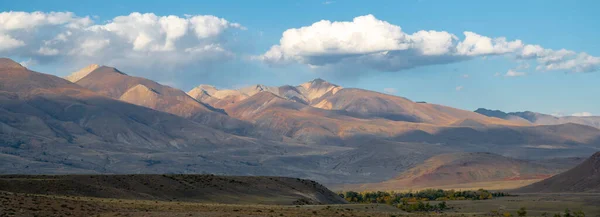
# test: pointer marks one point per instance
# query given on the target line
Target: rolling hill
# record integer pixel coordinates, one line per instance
(541, 119)
(585, 177)
(186, 188)
(466, 169)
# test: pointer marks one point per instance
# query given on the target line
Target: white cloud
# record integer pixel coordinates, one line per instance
(8, 43)
(18, 20)
(465, 75)
(364, 35)
(458, 88)
(376, 44)
(582, 114)
(477, 45)
(390, 90)
(581, 62)
(47, 51)
(328, 2)
(513, 73)
(155, 42)
(28, 63)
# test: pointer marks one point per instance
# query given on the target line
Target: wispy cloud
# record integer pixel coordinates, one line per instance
(390, 90)
(328, 2)
(513, 73)
(582, 114)
(458, 88)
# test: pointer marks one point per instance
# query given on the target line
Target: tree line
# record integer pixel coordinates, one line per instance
(417, 201)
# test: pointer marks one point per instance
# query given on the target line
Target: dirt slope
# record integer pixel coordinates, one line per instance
(464, 168)
(144, 92)
(189, 188)
(583, 178)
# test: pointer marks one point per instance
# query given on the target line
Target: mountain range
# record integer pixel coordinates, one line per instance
(102, 120)
(541, 119)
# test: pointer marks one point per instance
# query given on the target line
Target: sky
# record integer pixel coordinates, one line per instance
(532, 55)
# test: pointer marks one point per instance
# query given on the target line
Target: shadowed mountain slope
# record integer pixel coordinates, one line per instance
(472, 167)
(44, 109)
(583, 178)
(50, 125)
(361, 113)
(541, 119)
(370, 104)
(140, 91)
(464, 168)
(353, 102)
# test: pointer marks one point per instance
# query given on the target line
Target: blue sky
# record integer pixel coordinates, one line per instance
(478, 81)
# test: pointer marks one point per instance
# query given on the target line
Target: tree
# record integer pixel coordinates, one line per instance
(567, 213)
(522, 212)
(579, 214)
(442, 205)
(507, 214)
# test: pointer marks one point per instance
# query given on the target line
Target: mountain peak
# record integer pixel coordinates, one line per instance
(317, 88)
(78, 75)
(318, 83)
(318, 80)
(209, 89)
(85, 71)
(6, 63)
(492, 113)
(109, 69)
(92, 66)
(260, 87)
(201, 90)
(207, 86)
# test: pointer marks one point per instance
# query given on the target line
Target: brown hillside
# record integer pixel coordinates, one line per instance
(541, 119)
(583, 178)
(369, 104)
(464, 168)
(189, 188)
(44, 119)
(140, 91)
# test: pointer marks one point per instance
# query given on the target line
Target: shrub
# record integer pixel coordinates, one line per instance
(522, 212)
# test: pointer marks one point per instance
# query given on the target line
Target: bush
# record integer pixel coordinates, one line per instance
(522, 212)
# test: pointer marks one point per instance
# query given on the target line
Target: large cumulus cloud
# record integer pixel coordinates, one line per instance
(372, 43)
(164, 42)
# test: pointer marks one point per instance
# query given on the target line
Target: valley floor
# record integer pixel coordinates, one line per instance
(19, 204)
